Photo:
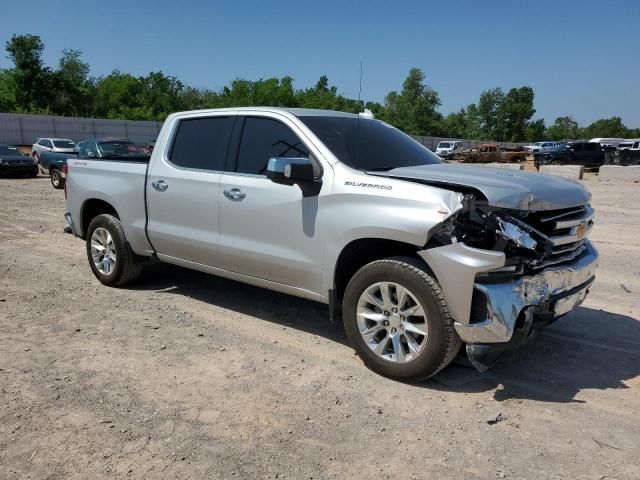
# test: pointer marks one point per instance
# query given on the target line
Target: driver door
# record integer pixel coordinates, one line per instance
(268, 230)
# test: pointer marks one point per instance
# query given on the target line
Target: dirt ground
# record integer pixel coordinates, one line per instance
(186, 375)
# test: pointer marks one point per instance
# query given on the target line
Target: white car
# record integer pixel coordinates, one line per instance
(447, 148)
(540, 147)
(58, 145)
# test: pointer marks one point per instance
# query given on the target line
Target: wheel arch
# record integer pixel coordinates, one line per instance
(93, 207)
(358, 253)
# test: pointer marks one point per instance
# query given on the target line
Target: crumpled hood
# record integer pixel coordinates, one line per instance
(513, 189)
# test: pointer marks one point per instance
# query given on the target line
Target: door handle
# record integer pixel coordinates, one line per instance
(234, 194)
(160, 185)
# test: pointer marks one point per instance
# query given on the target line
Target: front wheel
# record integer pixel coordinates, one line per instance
(398, 321)
(109, 254)
(56, 179)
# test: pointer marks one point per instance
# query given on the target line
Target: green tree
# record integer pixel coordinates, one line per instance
(74, 89)
(488, 113)
(7, 91)
(414, 109)
(30, 75)
(513, 114)
(120, 95)
(160, 95)
(456, 124)
(535, 130)
(606, 127)
(563, 128)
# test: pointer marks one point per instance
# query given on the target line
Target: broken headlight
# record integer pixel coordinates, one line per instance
(517, 235)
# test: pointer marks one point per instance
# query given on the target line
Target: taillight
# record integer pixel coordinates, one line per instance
(65, 172)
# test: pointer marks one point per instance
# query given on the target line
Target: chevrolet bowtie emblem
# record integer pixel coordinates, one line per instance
(580, 230)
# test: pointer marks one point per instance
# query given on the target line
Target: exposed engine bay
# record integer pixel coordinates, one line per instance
(530, 240)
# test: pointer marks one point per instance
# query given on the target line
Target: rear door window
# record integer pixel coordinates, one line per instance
(202, 143)
(265, 138)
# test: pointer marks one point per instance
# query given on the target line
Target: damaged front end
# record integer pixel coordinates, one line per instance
(506, 272)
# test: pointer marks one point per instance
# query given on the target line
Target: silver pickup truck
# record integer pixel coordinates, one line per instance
(414, 256)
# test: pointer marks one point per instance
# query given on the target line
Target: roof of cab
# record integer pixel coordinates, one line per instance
(299, 112)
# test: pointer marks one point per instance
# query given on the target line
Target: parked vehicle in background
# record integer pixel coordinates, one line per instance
(414, 255)
(14, 162)
(614, 142)
(587, 154)
(629, 155)
(101, 148)
(447, 149)
(57, 145)
(52, 164)
(540, 147)
(107, 148)
(492, 153)
(630, 144)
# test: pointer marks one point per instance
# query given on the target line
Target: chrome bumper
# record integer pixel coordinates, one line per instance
(553, 291)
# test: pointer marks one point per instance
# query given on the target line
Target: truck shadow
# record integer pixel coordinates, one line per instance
(587, 349)
(286, 310)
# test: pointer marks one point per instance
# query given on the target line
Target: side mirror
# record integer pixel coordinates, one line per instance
(291, 171)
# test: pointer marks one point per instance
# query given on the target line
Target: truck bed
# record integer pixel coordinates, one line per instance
(119, 183)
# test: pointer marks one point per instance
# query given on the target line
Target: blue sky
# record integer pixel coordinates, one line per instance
(580, 57)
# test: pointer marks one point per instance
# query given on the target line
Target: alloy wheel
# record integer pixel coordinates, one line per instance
(392, 322)
(103, 251)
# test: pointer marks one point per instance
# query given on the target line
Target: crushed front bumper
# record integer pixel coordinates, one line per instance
(499, 307)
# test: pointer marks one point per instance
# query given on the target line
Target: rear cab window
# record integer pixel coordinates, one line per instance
(202, 143)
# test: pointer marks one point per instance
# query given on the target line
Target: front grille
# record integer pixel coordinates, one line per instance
(561, 233)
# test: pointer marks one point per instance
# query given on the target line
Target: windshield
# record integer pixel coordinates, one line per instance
(368, 144)
(119, 149)
(63, 144)
(444, 145)
(7, 150)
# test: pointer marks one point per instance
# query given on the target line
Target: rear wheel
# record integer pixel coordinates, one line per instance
(397, 319)
(109, 254)
(56, 179)
(556, 162)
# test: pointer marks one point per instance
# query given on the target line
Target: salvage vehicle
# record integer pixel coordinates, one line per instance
(415, 256)
(14, 162)
(492, 153)
(447, 149)
(588, 154)
(56, 145)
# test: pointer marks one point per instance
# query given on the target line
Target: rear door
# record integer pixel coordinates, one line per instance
(182, 189)
(268, 230)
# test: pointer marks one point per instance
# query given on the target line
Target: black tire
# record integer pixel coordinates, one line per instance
(555, 162)
(56, 179)
(443, 343)
(127, 266)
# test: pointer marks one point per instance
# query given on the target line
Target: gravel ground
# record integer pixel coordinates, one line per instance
(186, 375)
